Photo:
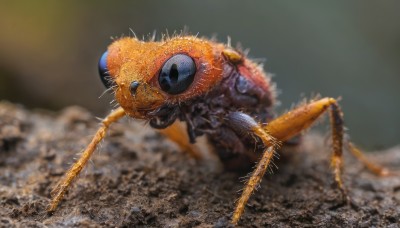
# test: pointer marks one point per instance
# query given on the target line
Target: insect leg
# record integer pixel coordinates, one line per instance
(59, 191)
(177, 133)
(244, 124)
(282, 129)
(371, 166)
(337, 128)
(293, 122)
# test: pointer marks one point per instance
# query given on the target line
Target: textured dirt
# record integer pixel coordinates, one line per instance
(139, 179)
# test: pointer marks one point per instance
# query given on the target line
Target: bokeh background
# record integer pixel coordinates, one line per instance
(49, 51)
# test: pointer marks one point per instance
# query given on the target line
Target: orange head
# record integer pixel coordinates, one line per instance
(148, 75)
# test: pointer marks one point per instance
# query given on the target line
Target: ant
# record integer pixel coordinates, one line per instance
(218, 92)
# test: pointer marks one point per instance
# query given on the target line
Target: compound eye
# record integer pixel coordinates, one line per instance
(103, 71)
(177, 74)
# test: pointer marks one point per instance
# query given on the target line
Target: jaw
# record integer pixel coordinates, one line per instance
(163, 117)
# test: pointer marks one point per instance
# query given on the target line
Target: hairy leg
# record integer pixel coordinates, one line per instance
(282, 129)
(244, 124)
(59, 191)
(293, 122)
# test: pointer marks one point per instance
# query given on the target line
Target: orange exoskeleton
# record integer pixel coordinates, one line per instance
(218, 92)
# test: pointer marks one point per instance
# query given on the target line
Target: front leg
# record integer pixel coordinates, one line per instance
(60, 189)
(244, 124)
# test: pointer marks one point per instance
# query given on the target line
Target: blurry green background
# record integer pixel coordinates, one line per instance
(49, 51)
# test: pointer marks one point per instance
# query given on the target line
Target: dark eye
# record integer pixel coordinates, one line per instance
(177, 74)
(103, 71)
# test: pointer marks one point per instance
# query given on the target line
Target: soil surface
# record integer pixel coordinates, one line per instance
(137, 178)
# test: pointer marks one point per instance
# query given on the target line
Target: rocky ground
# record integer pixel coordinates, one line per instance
(139, 179)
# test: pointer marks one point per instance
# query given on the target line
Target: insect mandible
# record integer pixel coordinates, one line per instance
(218, 92)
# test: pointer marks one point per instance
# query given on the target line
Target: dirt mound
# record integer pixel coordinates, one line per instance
(138, 178)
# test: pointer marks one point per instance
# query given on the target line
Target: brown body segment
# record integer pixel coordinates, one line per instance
(230, 100)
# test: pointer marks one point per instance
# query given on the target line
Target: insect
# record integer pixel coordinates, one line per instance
(218, 92)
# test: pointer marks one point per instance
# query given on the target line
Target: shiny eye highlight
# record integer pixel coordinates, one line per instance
(177, 74)
(103, 71)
